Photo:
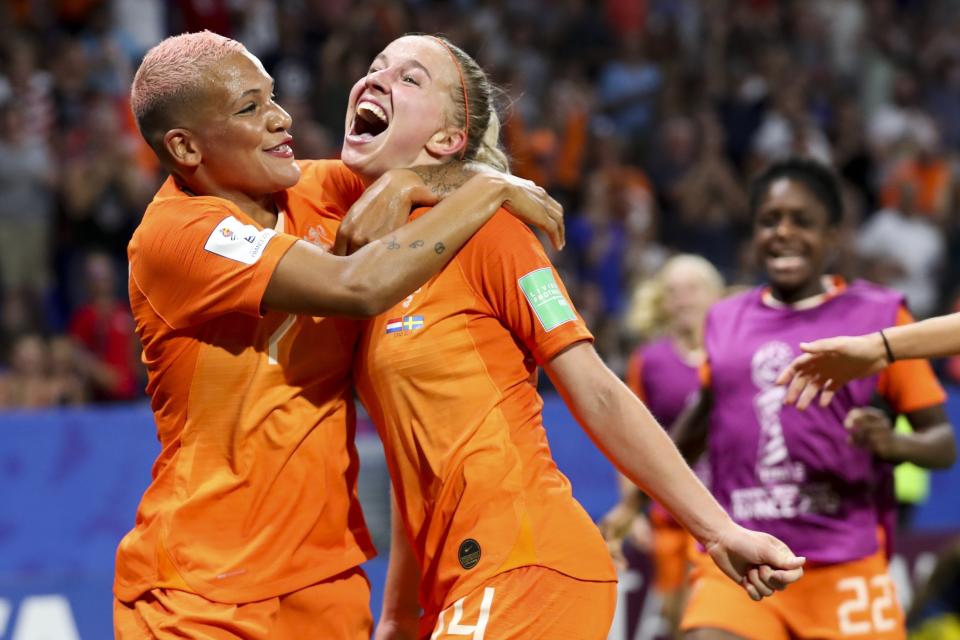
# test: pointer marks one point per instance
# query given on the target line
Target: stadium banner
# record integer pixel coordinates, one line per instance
(70, 481)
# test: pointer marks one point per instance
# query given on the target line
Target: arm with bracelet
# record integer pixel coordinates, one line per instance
(829, 364)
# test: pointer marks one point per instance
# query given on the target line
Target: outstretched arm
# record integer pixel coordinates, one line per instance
(831, 363)
(689, 433)
(630, 437)
(311, 281)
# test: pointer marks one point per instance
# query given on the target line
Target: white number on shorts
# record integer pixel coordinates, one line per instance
(273, 344)
(882, 602)
(860, 602)
(457, 629)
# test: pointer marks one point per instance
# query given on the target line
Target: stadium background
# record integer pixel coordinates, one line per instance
(645, 117)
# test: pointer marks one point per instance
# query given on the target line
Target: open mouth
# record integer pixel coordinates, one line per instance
(369, 122)
(283, 150)
(786, 261)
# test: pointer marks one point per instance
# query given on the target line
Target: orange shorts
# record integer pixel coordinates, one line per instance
(849, 601)
(338, 607)
(529, 602)
(670, 542)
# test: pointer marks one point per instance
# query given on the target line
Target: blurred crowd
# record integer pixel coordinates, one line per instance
(646, 118)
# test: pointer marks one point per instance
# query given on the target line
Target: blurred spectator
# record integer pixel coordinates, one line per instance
(711, 203)
(904, 250)
(788, 129)
(628, 87)
(27, 384)
(66, 374)
(104, 191)
(29, 87)
(103, 329)
(27, 183)
(925, 171)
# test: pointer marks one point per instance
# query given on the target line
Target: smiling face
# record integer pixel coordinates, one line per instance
(791, 231)
(242, 135)
(397, 115)
(688, 291)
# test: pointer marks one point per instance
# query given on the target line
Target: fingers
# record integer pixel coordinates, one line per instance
(796, 383)
(340, 245)
(751, 590)
(827, 396)
(535, 206)
(818, 346)
(790, 372)
(780, 579)
(807, 396)
(779, 556)
(754, 579)
(423, 196)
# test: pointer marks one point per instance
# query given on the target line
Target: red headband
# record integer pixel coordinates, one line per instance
(463, 85)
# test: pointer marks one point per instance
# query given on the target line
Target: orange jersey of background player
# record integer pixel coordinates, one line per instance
(253, 493)
(449, 378)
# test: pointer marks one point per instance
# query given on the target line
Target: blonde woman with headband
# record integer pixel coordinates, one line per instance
(486, 527)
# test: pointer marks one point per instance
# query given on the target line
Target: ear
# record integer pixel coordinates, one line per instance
(448, 141)
(181, 147)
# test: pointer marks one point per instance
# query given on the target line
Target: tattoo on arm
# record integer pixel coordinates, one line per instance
(439, 248)
(393, 245)
(416, 244)
(444, 179)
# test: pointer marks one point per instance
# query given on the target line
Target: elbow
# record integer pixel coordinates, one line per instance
(367, 301)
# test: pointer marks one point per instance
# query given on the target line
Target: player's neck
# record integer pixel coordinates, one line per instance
(813, 295)
(688, 345)
(263, 209)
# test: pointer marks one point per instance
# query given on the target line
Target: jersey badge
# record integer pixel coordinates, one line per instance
(234, 240)
(469, 553)
(405, 324)
(546, 298)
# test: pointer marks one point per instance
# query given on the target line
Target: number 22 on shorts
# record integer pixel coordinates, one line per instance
(853, 613)
(457, 628)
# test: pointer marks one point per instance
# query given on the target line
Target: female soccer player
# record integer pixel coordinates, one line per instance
(819, 480)
(250, 527)
(664, 375)
(449, 377)
(826, 365)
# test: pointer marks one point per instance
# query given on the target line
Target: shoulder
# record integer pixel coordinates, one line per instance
(328, 180)
(170, 219)
(503, 232)
(735, 304)
(871, 293)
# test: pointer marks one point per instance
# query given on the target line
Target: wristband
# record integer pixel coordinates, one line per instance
(886, 345)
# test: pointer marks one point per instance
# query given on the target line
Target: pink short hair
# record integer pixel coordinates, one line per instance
(170, 72)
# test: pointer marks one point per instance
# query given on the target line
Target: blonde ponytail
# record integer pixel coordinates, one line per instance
(489, 151)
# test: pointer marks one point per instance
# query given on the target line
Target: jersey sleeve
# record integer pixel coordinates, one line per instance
(507, 265)
(197, 261)
(635, 375)
(910, 385)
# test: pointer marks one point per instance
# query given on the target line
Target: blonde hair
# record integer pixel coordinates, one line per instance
(483, 128)
(646, 316)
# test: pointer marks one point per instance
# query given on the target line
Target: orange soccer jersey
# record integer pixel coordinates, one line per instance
(449, 378)
(253, 494)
